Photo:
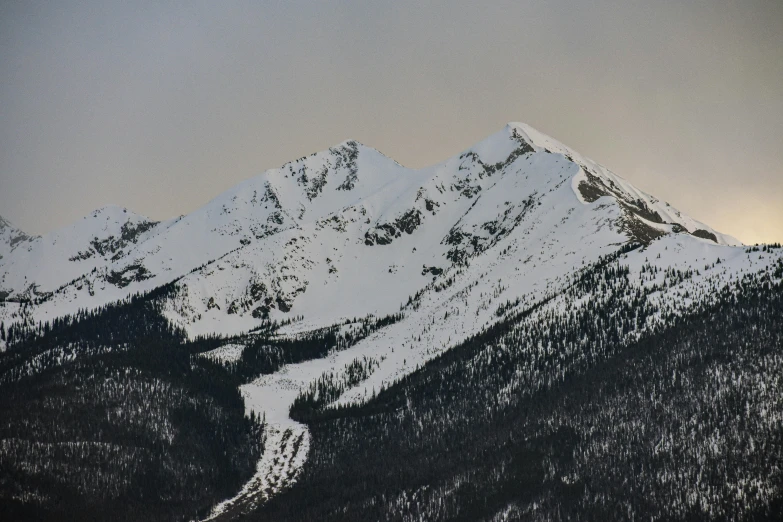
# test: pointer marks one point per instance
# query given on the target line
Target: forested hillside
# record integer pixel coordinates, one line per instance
(109, 408)
(563, 420)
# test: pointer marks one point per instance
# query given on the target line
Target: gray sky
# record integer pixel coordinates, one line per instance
(160, 106)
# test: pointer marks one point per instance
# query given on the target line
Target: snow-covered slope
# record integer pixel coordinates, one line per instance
(347, 221)
(38, 266)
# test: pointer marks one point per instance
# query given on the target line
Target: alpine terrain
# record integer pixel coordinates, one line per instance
(516, 333)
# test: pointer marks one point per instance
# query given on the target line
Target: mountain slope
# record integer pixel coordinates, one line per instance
(554, 414)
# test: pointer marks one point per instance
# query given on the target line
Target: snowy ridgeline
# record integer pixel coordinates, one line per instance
(346, 221)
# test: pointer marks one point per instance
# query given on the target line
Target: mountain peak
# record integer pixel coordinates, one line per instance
(350, 142)
(361, 148)
(4, 223)
(10, 235)
(110, 210)
(537, 138)
(115, 213)
(515, 129)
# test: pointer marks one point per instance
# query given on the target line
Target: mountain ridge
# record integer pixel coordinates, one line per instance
(541, 140)
(367, 197)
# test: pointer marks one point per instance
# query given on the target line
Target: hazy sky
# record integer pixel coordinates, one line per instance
(161, 106)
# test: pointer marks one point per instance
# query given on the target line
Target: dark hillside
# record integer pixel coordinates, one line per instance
(109, 408)
(563, 421)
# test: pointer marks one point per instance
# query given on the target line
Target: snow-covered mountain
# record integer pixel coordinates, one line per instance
(518, 230)
(348, 221)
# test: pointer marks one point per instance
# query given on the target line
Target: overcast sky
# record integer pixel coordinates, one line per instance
(161, 106)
